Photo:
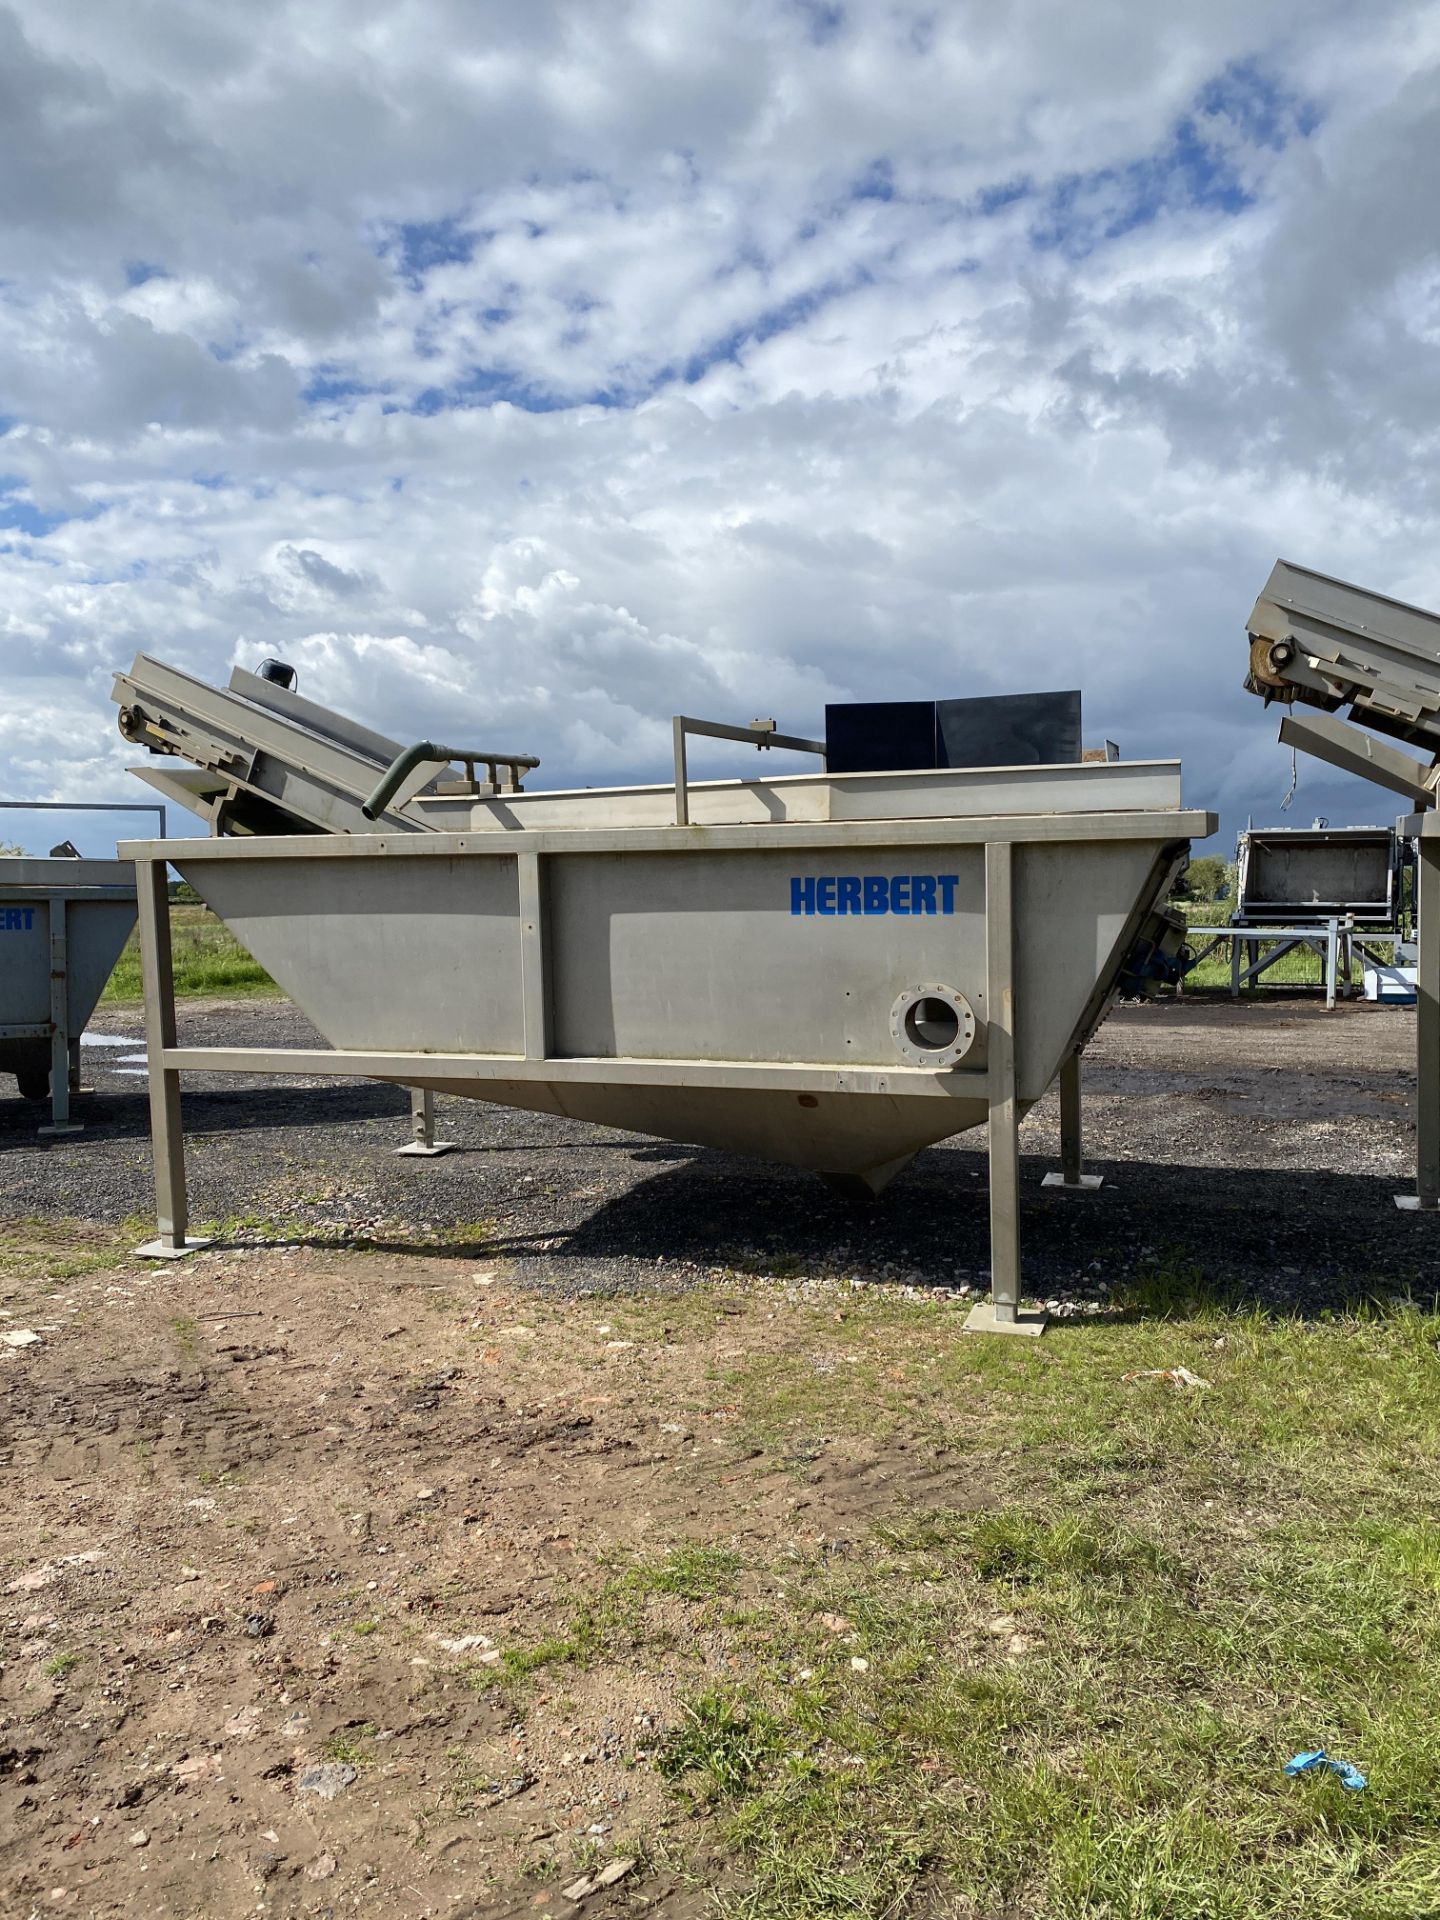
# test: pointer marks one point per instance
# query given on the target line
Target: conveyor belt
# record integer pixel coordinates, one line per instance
(1323, 643)
(265, 760)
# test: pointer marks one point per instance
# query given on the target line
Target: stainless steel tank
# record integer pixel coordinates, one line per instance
(828, 970)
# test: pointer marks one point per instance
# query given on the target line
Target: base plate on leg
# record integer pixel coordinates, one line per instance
(1087, 1183)
(417, 1150)
(162, 1250)
(54, 1129)
(1411, 1203)
(981, 1319)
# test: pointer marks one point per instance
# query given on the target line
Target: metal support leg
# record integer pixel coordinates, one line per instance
(1332, 962)
(1001, 1313)
(423, 1144)
(60, 1121)
(167, 1142)
(1072, 1177)
(1426, 1197)
(1236, 957)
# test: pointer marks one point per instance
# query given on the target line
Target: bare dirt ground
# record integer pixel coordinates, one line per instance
(287, 1525)
(288, 1513)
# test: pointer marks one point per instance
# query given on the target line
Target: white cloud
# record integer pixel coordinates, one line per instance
(537, 371)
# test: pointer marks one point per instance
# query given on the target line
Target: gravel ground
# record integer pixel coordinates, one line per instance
(1261, 1142)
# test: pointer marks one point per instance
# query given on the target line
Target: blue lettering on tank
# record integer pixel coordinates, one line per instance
(839, 895)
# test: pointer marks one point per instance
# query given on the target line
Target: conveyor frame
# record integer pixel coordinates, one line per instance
(1331, 645)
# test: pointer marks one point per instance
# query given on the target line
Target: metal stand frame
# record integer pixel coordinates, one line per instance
(1333, 939)
(172, 1240)
(1072, 1177)
(1426, 1197)
(423, 1144)
(1001, 1312)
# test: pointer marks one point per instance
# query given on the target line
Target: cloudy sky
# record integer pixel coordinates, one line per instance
(531, 370)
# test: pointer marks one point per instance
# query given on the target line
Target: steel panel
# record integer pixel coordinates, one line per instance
(382, 953)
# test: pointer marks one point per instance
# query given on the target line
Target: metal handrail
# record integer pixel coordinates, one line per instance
(90, 806)
(426, 752)
(759, 733)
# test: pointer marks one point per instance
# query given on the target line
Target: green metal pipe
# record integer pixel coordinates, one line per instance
(428, 752)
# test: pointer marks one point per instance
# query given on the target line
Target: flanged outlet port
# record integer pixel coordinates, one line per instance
(933, 1026)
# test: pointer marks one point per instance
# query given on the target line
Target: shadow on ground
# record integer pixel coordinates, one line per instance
(1297, 1242)
(126, 1116)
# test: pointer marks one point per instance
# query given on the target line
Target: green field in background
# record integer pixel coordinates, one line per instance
(207, 958)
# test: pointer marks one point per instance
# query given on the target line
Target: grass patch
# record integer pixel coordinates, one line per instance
(206, 956)
(580, 1647)
(1075, 1700)
(58, 1250)
(722, 1743)
(187, 1334)
(1023, 1549)
(350, 1748)
(1065, 1719)
(613, 1620)
(690, 1571)
(468, 1780)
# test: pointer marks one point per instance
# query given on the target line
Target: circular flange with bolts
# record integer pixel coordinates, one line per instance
(933, 1026)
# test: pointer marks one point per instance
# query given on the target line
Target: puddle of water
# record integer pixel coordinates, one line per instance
(130, 1065)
